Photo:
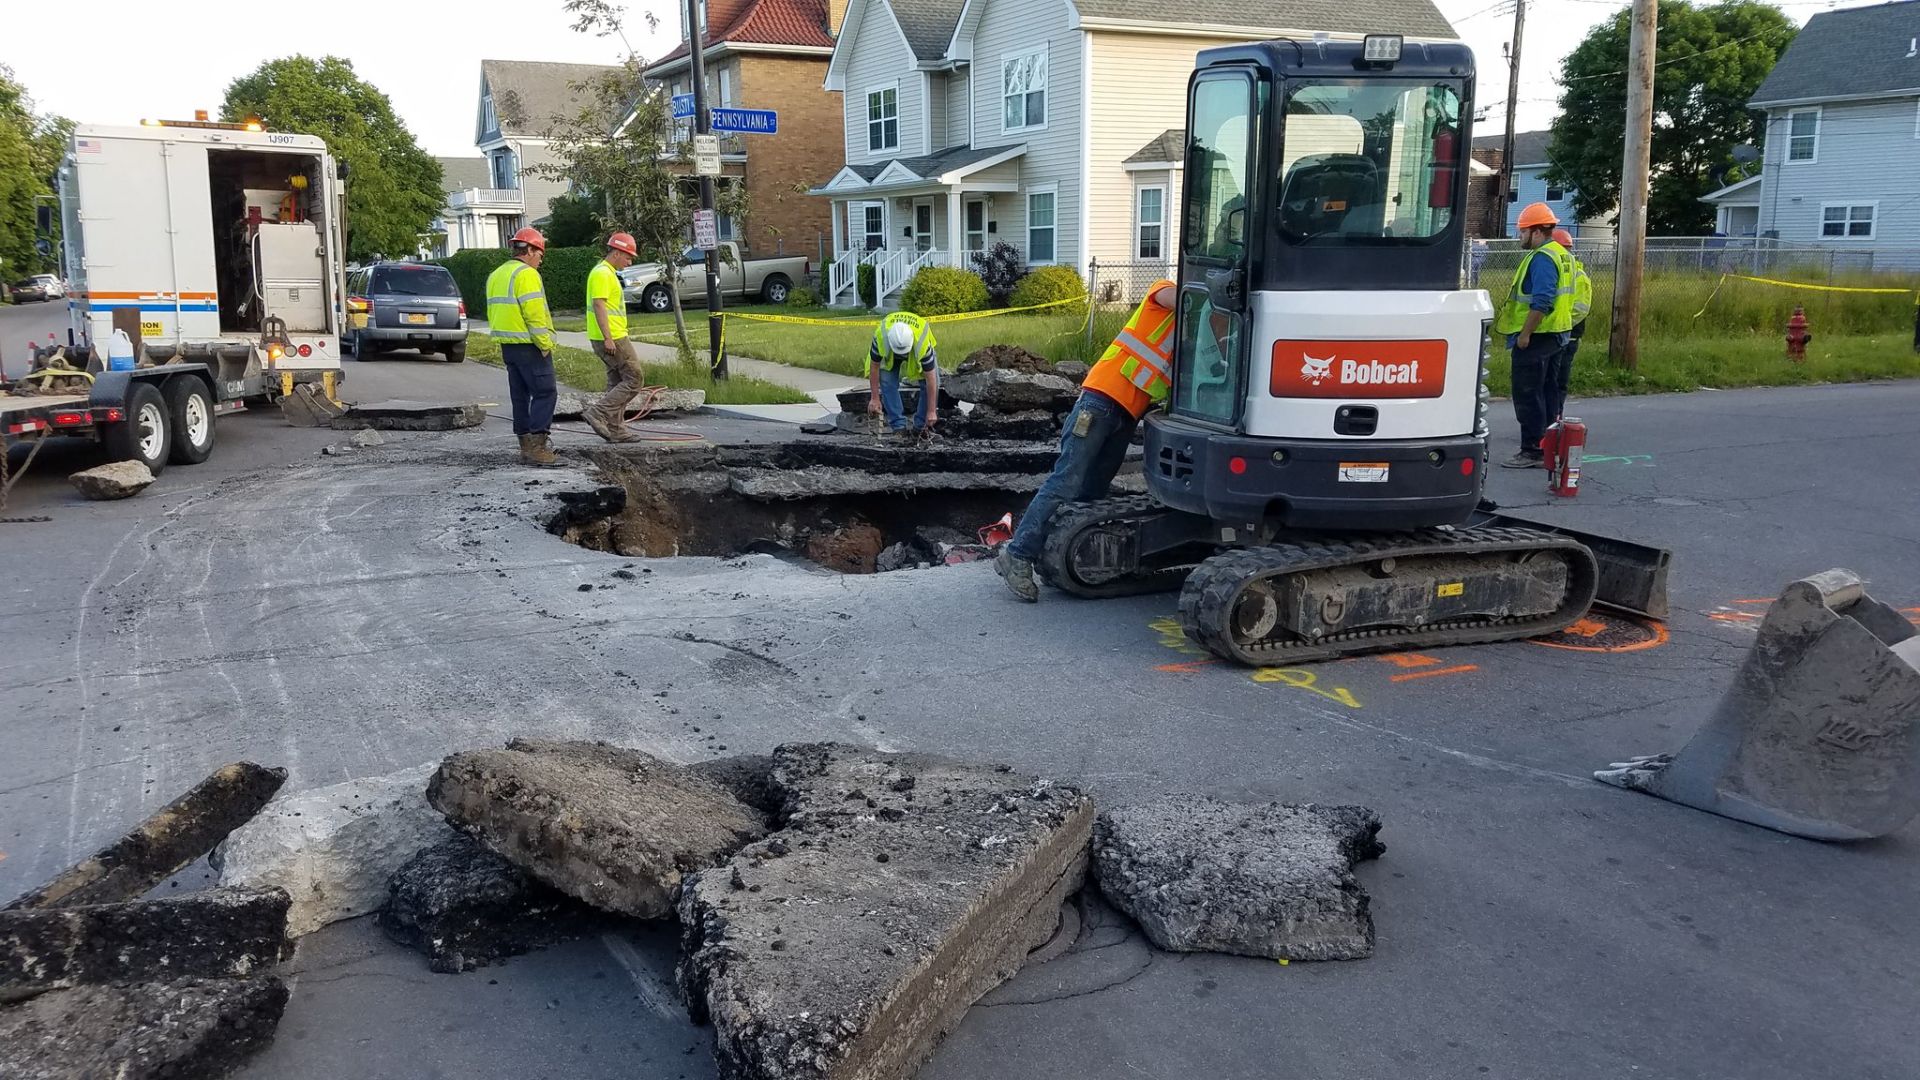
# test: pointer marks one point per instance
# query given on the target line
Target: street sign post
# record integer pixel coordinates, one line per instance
(683, 106)
(706, 155)
(706, 230)
(747, 121)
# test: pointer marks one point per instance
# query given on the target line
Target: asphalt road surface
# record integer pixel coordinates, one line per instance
(348, 616)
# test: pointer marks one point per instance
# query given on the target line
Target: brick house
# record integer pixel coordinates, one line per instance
(770, 54)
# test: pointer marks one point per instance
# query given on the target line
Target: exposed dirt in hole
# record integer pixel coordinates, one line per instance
(853, 509)
(1009, 358)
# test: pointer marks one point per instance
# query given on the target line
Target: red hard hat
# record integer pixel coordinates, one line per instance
(623, 242)
(531, 237)
(1537, 216)
(1563, 238)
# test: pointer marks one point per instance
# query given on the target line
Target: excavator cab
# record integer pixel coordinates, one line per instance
(1328, 364)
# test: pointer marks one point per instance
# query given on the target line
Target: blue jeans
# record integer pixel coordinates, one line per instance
(897, 418)
(1534, 369)
(1084, 470)
(1561, 376)
(531, 387)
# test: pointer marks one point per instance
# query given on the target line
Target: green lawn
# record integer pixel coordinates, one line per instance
(582, 370)
(1725, 361)
(842, 349)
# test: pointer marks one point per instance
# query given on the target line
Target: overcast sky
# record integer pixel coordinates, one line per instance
(117, 61)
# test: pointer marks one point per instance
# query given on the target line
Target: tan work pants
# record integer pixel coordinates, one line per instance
(625, 379)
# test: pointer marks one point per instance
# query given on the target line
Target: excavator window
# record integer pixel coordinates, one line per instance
(1367, 161)
(1217, 242)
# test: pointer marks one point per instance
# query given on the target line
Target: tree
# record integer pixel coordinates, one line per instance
(572, 222)
(31, 148)
(1708, 63)
(394, 189)
(616, 145)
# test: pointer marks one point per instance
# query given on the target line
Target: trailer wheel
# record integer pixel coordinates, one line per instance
(144, 436)
(190, 412)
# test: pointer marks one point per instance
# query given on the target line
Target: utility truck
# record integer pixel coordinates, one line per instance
(218, 250)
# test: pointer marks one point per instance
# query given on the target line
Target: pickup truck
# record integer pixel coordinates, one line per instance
(766, 280)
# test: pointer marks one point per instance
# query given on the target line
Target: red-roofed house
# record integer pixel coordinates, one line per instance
(771, 54)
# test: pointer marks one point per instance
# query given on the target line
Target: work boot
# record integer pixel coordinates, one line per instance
(1017, 573)
(612, 430)
(1524, 460)
(538, 450)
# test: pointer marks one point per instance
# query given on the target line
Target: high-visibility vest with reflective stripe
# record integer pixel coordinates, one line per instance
(517, 306)
(1134, 369)
(1582, 290)
(1512, 317)
(923, 343)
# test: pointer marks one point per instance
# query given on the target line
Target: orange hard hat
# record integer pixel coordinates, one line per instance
(623, 242)
(1537, 216)
(531, 237)
(1563, 238)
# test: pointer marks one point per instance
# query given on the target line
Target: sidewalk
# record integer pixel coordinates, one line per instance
(819, 385)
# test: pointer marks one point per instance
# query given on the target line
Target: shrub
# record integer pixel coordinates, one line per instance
(998, 266)
(944, 290)
(563, 272)
(803, 297)
(1046, 285)
(865, 285)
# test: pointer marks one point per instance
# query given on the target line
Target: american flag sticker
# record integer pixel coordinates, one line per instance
(86, 146)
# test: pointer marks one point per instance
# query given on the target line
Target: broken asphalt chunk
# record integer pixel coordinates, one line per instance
(465, 907)
(186, 1029)
(220, 933)
(614, 827)
(813, 958)
(159, 847)
(1272, 880)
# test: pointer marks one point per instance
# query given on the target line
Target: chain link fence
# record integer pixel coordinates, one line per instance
(1711, 256)
(1116, 288)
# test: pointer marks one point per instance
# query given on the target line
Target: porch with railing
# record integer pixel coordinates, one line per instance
(892, 269)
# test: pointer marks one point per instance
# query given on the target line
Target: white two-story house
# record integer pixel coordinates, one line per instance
(1841, 164)
(520, 102)
(1052, 125)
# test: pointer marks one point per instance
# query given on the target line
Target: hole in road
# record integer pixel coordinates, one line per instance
(847, 508)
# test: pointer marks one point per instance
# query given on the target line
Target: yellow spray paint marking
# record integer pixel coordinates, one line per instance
(1175, 638)
(1453, 588)
(1308, 681)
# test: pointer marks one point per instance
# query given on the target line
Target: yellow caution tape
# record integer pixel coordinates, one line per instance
(1817, 288)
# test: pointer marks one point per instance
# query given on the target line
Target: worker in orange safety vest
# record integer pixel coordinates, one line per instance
(1131, 377)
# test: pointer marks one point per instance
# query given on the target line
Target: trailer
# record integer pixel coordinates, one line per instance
(216, 244)
(157, 415)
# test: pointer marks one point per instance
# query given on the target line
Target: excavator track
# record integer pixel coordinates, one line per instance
(1084, 535)
(1230, 603)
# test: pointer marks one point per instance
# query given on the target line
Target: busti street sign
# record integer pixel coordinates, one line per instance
(706, 155)
(746, 121)
(683, 106)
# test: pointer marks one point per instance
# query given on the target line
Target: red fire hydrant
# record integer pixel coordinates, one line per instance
(1563, 446)
(1798, 336)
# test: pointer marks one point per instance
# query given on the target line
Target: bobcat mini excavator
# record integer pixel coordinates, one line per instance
(1323, 449)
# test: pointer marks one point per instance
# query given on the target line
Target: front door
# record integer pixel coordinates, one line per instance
(976, 225)
(923, 225)
(1217, 237)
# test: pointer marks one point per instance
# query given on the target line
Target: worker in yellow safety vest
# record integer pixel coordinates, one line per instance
(1536, 315)
(607, 333)
(1582, 304)
(904, 351)
(518, 319)
(1132, 376)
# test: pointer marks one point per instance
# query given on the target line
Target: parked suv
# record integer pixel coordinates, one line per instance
(40, 287)
(405, 305)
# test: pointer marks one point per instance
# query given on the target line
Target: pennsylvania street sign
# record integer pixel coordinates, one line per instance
(682, 106)
(749, 121)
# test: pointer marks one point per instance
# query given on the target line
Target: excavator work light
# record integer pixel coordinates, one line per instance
(1381, 48)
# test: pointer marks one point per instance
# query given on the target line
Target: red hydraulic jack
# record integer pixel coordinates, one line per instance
(1563, 446)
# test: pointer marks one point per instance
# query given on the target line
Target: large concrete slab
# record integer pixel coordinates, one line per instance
(902, 888)
(617, 828)
(1257, 879)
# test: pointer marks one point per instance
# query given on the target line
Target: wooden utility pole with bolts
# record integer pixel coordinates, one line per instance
(1630, 262)
(1503, 197)
(702, 125)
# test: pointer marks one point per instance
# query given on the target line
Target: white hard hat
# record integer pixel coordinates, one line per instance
(900, 338)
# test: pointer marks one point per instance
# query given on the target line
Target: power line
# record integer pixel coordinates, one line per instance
(1689, 56)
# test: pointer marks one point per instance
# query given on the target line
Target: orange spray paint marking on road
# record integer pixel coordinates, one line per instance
(1187, 668)
(1461, 669)
(1409, 660)
(1586, 628)
(1610, 634)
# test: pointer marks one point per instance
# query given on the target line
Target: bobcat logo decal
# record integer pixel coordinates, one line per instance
(1316, 371)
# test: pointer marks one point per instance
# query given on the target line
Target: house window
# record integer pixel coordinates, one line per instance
(1803, 135)
(1847, 219)
(874, 226)
(1041, 231)
(1151, 222)
(488, 120)
(976, 225)
(505, 176)
(1513, 194)
(883, 119)
(1555, 194)
(1023, 91)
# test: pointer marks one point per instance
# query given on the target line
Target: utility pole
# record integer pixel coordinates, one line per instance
(1623, 345)
(1513, 102)
(702, 125)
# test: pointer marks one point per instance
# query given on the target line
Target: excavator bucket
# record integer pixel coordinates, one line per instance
(1820, 734)
(309, 407)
